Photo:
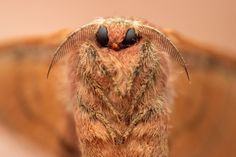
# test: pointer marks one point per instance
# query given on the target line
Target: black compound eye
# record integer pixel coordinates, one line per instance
(130, 38)
(102, 36)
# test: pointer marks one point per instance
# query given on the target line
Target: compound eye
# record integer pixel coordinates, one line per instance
(130, 38)
(102, 36)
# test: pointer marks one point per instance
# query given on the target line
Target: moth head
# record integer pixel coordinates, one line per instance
(117, 35)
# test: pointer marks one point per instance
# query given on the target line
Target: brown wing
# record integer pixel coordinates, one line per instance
(204, 112)
(29, 103)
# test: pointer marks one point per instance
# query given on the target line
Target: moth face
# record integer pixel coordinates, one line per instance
(117, 36)
(119, 44)
(118, 48)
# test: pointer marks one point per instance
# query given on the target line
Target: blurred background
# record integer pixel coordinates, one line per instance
(212, 22)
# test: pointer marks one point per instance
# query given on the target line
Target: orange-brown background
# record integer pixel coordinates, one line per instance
(212, 21)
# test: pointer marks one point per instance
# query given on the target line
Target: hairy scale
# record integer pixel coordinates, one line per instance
(120, 95)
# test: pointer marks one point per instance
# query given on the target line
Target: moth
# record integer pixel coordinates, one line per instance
(119, 83)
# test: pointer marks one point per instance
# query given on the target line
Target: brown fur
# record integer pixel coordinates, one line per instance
(120, 98)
